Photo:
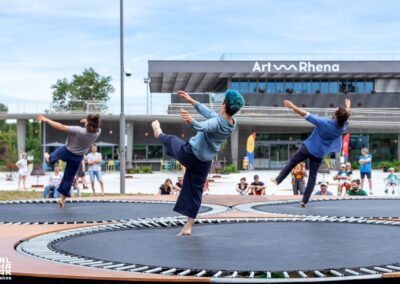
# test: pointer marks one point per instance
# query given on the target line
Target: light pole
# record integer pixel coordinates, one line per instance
(122, 115)
(147, 82)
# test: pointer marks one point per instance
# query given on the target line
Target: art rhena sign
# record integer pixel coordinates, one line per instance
(300, 67)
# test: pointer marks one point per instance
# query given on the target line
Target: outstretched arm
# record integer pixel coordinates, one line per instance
(54, 124)
(347, 104)
(293, 107)
(210, 125)
(202, 109)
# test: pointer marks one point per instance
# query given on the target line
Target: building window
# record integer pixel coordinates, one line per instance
(279, 87)
(235, 85)
(325, 87)
(147, 152)
(333, 87)
(315, 87)
(271, 87)
(261, 87)
(244, 87)
(253, 86)
(369, 87)
(297, 87)
(360, 87)
(306, 87)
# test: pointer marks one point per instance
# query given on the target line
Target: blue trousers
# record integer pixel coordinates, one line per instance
(189, 199)
(301, 155)
(47, 190)
(73, 163)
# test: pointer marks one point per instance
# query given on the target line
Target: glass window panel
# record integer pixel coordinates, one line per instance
(288, 86)
(279, 87)
(315, 87)
(360, 87)
(271, 87)
(342, 86)
(369, 87)
(351, 86)
(306, 87)
(325, 87)
(244, 87)
(261, 87)
(139, 151)
(333, 87)
(235, 85)
(253, 86)
(297, 87)
(154, 151)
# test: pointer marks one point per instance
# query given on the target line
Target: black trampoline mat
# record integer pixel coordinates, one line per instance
(272, 246)
(348, 208)
(85, 211)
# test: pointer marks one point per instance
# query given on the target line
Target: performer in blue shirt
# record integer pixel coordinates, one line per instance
(365, 168)
(325, 138)
(197, 153)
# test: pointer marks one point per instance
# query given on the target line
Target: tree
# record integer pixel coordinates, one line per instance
(89, 86)
(3, 108)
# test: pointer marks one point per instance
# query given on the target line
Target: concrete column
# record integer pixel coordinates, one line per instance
(21, 135)
(398, 147)
(129, 146)
(235, 146)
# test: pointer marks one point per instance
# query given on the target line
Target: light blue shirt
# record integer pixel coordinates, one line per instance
(210, 133)
(326, 136)
(365, 168)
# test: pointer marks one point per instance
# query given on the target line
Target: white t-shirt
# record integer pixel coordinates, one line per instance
(55, 179)
(23, 167)
(94, 157)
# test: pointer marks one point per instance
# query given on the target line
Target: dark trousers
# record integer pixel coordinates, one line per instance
(301, 155)
(189, 199)
(72, 166)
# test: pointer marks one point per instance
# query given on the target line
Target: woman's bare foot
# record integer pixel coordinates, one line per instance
(303, 205)
(46, 157)
(61, 202)
(184, 233)
(156, 128)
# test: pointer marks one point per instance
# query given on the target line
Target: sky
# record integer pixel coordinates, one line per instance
(42, 41)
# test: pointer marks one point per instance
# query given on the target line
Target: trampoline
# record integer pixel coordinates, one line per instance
(236, 249)
(359, 208)
(87, 211)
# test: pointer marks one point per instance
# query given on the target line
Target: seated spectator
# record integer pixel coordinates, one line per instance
(178, 185)
(298, 174)
(257, 187)
(166, 188)
(323, 190)
(344, 179)
(392, 181)
(355, 188)
(55, 178)
(242, 187)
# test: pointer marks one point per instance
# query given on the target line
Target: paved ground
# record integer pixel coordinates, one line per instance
(149, 183)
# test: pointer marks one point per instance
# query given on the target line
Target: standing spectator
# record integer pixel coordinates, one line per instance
(344, 179)
(298, 182)
(257, 187)
(54, 181)
(355, 188)
(332, 160)
(81, 174)
(94, 159)
(365, 168)
(166, 188)
(392, 180)
(178, 185)
(23, 172)
(242, 186)
(323, 189)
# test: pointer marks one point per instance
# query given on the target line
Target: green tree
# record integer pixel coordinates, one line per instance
(88, 86)
(3, 108)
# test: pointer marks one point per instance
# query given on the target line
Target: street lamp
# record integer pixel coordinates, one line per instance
(147, 82)
(122, 115)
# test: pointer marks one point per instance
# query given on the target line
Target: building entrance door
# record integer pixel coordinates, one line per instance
(274, 154)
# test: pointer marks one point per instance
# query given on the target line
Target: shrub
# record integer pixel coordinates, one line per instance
(147, 170)
(229, 169)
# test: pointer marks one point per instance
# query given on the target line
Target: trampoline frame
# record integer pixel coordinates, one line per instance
(214, 209)
(250, 207)
(41, 247)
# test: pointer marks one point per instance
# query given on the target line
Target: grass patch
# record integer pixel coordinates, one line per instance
(22, 195)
